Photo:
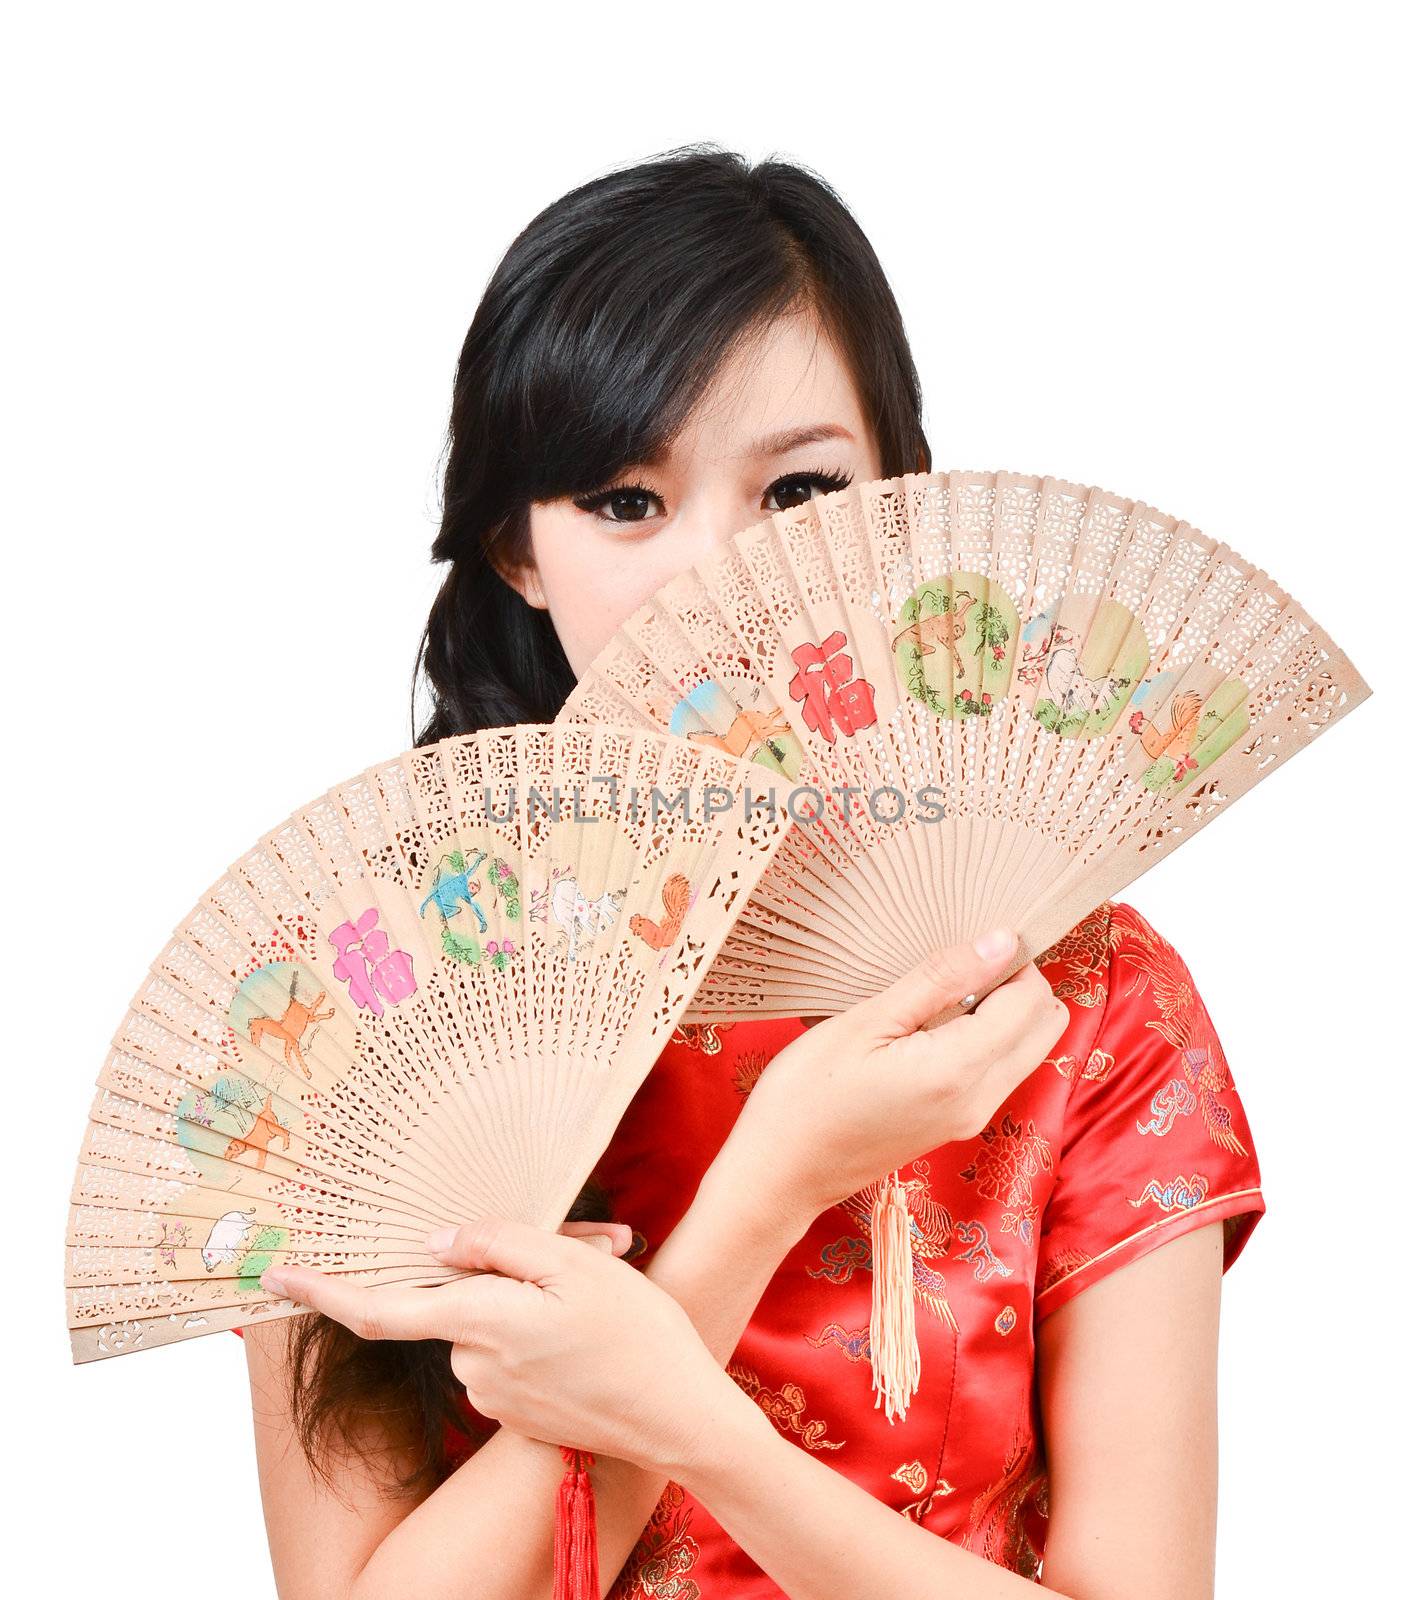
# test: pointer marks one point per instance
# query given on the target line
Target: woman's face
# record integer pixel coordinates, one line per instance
(780, 424)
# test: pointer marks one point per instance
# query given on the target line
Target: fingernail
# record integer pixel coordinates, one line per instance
(440, 1239)
(992, 946)
(273, 1280)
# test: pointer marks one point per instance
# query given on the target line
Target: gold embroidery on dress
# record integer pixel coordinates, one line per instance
(851, 1342)
(1096, 1068)
(1012, 1154)
(749, 1066)
(1179, 1194)
(980, 1255)
(995, 1524)
(1182, 1021)
(1083, 952)
(702, 1036)
(656, 1568)
(784, 1407)
(1062, 1265)
(914, 1475)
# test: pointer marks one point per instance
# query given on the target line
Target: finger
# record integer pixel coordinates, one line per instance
(944, 977)
(502, 1244)
(372, 1311)
(1026, 990)
(1012, 1028)
(1006, 1071)
(614, 1237)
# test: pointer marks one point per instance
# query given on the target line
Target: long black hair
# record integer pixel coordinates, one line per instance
(608, 317)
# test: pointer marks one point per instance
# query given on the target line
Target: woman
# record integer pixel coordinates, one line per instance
(664, 356)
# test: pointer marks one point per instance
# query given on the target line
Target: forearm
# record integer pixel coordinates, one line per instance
(819, 1535)
(493, 1518)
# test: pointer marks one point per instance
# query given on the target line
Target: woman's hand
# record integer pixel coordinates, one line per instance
(865, 1092)
(569, 1345)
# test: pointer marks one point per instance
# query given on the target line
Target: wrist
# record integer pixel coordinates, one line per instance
(728, 1430)
(749, 1188)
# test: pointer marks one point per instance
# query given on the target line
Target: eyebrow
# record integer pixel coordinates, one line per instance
(779, 444)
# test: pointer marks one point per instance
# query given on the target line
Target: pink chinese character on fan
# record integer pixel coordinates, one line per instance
(830, 697)
(368, 964)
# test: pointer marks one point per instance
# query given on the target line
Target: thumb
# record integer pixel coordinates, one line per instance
(943, 978)
(501, 1244)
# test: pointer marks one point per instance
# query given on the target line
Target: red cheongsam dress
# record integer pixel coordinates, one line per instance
(1129, 1134)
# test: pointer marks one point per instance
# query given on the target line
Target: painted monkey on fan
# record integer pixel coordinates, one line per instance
(663, 357)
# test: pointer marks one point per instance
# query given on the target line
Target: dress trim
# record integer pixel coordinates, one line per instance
(1180, 1223)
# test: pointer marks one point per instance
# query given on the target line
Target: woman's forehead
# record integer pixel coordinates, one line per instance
(788, 389)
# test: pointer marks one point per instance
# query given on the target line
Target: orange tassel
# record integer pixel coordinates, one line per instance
(893, 1344)
(575, 1532)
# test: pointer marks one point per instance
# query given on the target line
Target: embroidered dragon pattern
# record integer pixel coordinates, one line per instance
(1180, 1017)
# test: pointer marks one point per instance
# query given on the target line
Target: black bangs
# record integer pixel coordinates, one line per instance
(616, 307)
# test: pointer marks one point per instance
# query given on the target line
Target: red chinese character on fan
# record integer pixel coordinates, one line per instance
(368, 964)
(831, 699)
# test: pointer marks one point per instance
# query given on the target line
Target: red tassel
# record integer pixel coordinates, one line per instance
(575, 1532)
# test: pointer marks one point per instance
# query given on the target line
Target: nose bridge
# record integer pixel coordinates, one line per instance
(713, 520)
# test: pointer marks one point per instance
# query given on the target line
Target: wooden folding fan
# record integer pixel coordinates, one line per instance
(426, 997)
(989, 699)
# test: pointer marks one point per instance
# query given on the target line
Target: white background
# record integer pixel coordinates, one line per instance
(1163, 249)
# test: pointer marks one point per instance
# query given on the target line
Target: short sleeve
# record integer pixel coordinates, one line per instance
(1155, 1140)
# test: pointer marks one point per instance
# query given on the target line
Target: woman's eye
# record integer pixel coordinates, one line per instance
(825, 482)
(629, 505)
(626, 504)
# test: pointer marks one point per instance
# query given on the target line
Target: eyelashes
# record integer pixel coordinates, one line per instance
(827, 482)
